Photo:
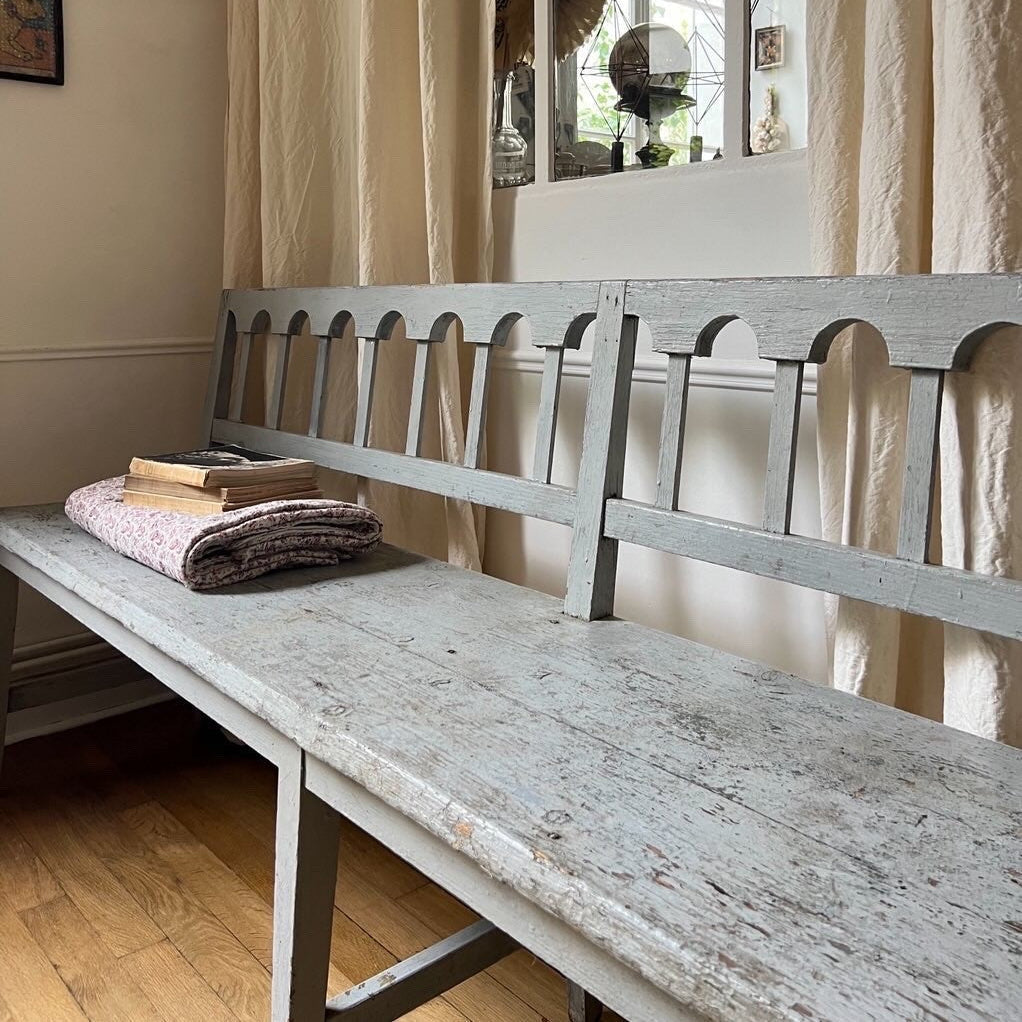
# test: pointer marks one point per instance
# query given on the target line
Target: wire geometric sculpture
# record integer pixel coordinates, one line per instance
(648, 93)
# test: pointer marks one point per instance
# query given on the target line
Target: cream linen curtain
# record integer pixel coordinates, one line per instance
(357, 151)
(915, 166)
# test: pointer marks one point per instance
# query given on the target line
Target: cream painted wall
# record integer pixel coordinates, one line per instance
(112, 186)
(744, 218)
(111, 213)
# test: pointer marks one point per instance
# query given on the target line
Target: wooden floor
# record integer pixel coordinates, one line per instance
(136, 883)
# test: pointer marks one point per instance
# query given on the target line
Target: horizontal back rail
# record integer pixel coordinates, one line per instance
(546, 501)
(931, 590)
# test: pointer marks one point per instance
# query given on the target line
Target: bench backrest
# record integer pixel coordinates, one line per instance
(931, 325)
(558, 315)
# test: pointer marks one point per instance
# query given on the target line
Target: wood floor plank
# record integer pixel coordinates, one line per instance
(354, 954)
(86, 966)
(390, 874)
(152, 815)
(46, 762)
(234, 903)
(252, 790)
(249, 858)
(29, 984)
(217, 955)
(112, 912)
(118, 787)
(24, 879)
(179, 992)
(247, 915)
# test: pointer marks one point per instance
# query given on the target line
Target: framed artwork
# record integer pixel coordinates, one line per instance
(32, 41)
(769, 47)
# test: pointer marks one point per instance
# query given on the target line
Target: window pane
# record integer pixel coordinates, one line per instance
(777, 76)
(640, 84)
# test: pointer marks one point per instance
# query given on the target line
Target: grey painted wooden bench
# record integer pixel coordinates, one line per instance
(684, 833)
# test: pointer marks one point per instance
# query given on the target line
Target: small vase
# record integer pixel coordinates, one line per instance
(509, 147)
(656, 152)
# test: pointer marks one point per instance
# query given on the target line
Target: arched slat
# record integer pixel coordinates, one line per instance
(420, 384)
(794, 318)
(238, 387)
(275, 410)
(318, 404)
(552, 308)
(366, 382)
(780, 474)
(925, 394)
(672, 431)
(546, 420)
(477, 404)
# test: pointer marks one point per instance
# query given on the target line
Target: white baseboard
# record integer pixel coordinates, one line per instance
(63, 683)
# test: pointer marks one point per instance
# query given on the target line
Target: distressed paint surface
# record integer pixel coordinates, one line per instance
(556, 312)
(930, 321)
(758, 847)
(932, 590)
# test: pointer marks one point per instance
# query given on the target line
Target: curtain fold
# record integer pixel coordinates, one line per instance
(914, 167)
(357, 152)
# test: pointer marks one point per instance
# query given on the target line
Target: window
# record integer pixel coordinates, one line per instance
(645, 84)
(650, 78)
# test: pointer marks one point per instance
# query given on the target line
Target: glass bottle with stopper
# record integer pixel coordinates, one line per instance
(509, 148)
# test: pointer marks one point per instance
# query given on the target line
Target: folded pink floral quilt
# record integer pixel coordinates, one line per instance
(217, 550)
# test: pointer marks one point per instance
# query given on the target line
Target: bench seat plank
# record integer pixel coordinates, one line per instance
(757, 847)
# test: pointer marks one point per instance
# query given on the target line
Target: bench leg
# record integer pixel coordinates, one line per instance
(582, 1006)
(308, 831)
(8, 614)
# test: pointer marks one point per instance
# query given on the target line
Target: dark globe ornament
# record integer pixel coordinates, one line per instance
(649, 67)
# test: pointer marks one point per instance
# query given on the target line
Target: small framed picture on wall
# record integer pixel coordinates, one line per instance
(769, 47)
(32, 41)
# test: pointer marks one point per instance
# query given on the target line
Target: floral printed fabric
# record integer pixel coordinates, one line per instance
(208, 551)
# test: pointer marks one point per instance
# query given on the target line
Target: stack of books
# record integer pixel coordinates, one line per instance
(216, 480)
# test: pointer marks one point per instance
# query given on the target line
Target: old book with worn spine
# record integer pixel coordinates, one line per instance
(200, 506)
(221, 466)
(222, 494)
